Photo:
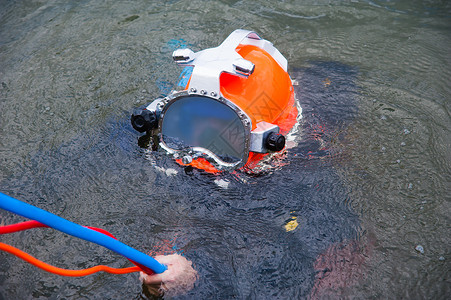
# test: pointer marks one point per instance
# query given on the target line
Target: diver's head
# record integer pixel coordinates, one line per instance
(235, 102)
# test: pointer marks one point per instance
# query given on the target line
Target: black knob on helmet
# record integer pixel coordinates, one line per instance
(144, 120)
(275, 141)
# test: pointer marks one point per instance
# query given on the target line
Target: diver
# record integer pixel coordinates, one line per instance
(258, 127)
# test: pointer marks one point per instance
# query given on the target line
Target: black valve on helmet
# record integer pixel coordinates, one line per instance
(144, 120)
(275, 141)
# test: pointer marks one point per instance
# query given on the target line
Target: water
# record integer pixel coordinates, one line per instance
(367, 183)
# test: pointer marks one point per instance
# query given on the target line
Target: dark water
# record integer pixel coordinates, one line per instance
(367, 181)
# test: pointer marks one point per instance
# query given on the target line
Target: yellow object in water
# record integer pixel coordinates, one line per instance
(291, 225)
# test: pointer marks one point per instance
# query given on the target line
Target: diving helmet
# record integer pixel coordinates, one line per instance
(235, 104)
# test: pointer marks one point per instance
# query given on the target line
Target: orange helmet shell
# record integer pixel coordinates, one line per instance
(266, 94)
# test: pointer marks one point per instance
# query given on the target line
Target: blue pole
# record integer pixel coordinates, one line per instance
(31, 212)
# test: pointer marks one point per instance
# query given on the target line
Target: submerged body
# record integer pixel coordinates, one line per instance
(253, 242)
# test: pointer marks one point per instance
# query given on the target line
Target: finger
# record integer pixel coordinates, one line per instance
(153, 279)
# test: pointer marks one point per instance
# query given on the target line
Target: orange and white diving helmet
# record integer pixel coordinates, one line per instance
(235, 106)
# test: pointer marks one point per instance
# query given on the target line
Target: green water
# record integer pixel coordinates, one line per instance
(72, 71)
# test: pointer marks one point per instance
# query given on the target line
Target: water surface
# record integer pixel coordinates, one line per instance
(367, 181)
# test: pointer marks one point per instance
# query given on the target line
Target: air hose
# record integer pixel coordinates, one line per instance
(91, 234)
(65, 272)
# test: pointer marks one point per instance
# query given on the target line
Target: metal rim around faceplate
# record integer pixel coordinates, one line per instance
(194, 151)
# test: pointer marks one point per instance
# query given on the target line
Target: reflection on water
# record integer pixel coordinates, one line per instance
(367, 182)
